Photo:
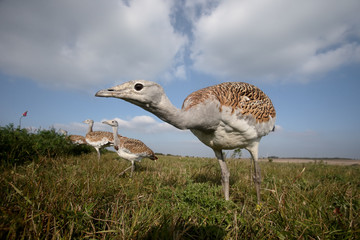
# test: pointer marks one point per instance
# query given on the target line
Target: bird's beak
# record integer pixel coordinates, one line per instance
(106, 93)
(120, 91)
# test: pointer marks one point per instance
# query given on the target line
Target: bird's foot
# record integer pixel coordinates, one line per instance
(123, 172)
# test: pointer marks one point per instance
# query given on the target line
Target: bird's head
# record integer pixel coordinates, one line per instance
(88, 121)
(145, 94)
(112, 123)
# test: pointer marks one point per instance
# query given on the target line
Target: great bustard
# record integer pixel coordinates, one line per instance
(225, 116)
(128, 148)
(75, 139)
(98, 139)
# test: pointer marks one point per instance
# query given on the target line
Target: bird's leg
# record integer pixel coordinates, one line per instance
(253, 149)
(225, 174)
(257, 180)
(125, 171)
(132, 168)
(98, 153)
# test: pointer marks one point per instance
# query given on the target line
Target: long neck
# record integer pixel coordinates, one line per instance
(90, 129)
(202, 118)
(167, 112)
(116, 137)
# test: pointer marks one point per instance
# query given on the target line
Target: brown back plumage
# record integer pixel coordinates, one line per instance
(99, 135)
(249, 99)
(136, 146)
(77, 139)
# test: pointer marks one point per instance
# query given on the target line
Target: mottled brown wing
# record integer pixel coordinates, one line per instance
(78, 139)
(97, 135)
(249, 99)
(135, 146)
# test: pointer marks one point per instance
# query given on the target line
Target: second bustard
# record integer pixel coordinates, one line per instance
(98, 139)
(75, 139)
(128, 148)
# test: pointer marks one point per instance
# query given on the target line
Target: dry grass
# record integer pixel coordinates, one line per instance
(176, 198)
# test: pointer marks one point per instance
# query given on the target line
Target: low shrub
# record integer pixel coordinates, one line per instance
(19, 145)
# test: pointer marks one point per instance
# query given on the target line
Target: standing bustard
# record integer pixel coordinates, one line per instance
(225, 116)
(128, 148)
(75, 139)
(98, 139)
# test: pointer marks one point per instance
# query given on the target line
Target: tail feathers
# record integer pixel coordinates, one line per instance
(153, 157)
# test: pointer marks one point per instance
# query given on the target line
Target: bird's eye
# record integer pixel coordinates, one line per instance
(138, 86)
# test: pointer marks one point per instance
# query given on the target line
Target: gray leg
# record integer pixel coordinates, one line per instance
(132, 168)
(98, 153)
(253, 149)
(225, 174)
(125, 171)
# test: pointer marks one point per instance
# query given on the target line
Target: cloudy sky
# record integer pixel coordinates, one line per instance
(305, 55)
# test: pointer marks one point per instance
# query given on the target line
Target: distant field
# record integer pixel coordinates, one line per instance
(335, 161)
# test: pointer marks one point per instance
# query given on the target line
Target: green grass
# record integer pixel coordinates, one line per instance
(176, 198)
(18, 146)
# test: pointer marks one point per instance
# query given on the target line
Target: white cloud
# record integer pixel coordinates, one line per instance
(177, 70)
(332, 59)
(72, 128)
(195, 8)
(80, 44)
(279, 38)
(145, 124)
(139, 124)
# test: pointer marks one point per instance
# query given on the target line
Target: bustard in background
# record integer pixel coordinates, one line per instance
(75, 139)
(89, 122)
(98, 139)
(128, 148)
(225, 116)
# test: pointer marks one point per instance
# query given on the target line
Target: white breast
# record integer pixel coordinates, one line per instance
(126, 154)
(234, 130)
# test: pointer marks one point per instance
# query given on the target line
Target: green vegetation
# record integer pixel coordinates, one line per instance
(18, 145)
(77, 197)
(237, 153)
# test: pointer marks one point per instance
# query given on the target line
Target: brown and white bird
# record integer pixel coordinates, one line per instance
(75, 139)
(89, 122)
(98, 139)
(130, 149)
(225, 116)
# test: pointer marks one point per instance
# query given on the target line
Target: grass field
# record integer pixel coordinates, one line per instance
(176, 198)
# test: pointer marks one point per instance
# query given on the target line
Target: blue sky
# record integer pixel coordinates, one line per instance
(305, 55)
